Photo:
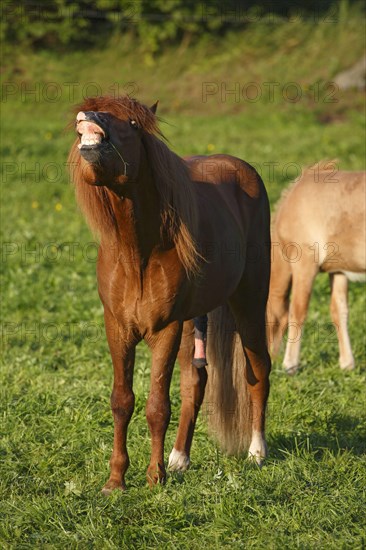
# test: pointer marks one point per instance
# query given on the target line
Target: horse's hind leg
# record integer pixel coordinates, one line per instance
(339, 314)
(304, 273)
(248, 306)
(192, 388)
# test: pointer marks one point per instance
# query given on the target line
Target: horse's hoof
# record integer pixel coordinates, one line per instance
(256, 459)
(178, 461)
(348, 366)
(257, 450)
(291, 370)
(155, 479)
(112, 486)
(156, 476)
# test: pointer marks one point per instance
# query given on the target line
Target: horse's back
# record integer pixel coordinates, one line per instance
(229, 183)
(221, 170)
(325, 210)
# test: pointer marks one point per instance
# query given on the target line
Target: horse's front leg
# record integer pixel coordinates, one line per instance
(164, 345)
(122, 348)
(192, 388)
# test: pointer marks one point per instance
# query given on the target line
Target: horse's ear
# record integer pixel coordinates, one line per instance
(154, 107)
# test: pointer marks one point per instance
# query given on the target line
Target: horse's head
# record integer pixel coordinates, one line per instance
(110, 145)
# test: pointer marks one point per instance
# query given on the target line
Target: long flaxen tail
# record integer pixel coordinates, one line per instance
(227, 400)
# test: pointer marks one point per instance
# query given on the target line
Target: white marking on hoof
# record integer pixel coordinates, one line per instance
(258, 448)
(178, 461)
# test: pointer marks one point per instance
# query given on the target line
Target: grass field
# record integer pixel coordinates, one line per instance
(56, 372)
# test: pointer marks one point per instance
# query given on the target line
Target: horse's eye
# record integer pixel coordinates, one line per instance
(133, 123)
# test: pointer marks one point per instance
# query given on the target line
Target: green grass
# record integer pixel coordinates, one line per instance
(56, 374)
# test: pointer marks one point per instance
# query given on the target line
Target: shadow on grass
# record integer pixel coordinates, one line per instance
(341, 433)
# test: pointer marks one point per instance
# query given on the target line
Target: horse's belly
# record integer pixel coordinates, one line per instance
(355, 277)
(342, 255)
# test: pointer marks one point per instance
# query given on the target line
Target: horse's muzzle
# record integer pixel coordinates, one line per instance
(91, 127)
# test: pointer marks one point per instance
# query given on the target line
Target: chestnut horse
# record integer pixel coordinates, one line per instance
(319, 225)
(178, 238)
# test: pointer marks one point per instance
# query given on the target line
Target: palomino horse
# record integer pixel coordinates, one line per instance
(319, 225)
(174, 236)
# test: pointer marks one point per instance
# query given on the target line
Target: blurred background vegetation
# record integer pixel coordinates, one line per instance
(68, 23)
(170, 49)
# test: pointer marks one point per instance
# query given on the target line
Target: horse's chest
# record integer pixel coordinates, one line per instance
(144, 300)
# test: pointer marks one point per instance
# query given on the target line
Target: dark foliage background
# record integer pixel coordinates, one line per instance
(64, 24)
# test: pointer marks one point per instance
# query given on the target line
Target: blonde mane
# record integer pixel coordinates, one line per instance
(178, 207)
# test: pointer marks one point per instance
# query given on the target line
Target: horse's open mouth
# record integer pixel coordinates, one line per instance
(91, 131)
(91, 135)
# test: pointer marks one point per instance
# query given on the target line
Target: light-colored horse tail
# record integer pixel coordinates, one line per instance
(227, 400)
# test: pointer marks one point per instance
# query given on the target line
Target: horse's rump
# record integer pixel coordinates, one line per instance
(224, 169)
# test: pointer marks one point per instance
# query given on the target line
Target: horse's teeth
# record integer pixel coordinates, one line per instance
(90, 139)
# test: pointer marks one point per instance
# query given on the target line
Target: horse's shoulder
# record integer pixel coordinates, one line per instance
(223, 169)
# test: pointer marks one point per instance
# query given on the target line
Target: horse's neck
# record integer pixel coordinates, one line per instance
(137, 217)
